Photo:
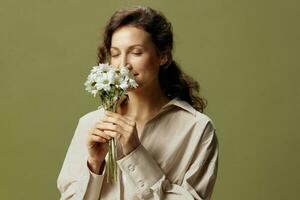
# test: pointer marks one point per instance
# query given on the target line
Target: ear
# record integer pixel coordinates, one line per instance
(164, 59)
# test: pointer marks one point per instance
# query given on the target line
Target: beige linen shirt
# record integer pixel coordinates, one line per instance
(177, 159)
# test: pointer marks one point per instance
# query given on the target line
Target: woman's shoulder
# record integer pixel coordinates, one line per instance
(203, 123)
(189, 113)
(199, 122)
(203, 118)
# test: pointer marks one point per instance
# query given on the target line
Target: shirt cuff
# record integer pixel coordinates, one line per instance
(94, 185)
(142, 169)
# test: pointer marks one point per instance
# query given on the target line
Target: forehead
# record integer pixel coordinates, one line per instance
(128, 35)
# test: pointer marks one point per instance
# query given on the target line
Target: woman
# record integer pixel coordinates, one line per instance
(167, 148)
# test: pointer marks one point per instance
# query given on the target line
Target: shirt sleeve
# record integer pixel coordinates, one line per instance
(75, 180)
(199, 179)
(95, 184)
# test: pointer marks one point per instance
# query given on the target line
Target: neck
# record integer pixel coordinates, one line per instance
(143, 104)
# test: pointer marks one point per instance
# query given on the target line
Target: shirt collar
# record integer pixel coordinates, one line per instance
(176, 101)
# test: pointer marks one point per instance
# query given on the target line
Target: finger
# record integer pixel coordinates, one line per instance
(112, 133)
(95, 131)
(118, 121)
(126, 119)
(102, 134)
(92, 129)
(97, 138)
(120, 101)
(109, 126)
(117, 116)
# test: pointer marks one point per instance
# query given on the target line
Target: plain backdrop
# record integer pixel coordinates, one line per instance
(245, 55)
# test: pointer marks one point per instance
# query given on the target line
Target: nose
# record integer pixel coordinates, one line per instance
(124, 62)
(128, 66)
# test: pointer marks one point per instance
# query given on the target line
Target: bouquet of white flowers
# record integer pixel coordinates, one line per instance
(111, 83)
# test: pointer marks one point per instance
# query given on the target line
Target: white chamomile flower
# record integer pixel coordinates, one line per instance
(124, 85)
(103, 82)
(111, 76)
(94, 92)
(103, 68)
(109, 82)
(133, 83)
(124, 71)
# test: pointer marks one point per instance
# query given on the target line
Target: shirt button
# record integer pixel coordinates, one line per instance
(147, 193)
(141, 184)
(131, 167)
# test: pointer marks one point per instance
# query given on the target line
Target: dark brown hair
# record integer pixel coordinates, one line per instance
(173, 81)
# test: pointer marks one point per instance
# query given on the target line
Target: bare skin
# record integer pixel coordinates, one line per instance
(131, 47)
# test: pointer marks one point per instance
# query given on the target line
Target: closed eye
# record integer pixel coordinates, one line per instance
(137, 53)
(115, 55)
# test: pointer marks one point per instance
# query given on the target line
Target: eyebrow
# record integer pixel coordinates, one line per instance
(130, 47)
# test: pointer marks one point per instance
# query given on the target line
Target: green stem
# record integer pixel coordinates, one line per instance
(112, 172)
(112, 163)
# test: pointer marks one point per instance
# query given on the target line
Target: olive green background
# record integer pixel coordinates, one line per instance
(245, 55)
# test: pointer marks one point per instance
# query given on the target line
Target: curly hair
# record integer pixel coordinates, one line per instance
(173, 81)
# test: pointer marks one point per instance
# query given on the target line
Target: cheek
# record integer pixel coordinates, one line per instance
(113, 62)
(146, 74)
(144, 64)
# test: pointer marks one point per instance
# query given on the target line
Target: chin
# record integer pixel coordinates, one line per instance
(134, 89)
(131, 89)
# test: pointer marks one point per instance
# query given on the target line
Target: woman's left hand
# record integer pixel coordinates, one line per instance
(123, 128)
